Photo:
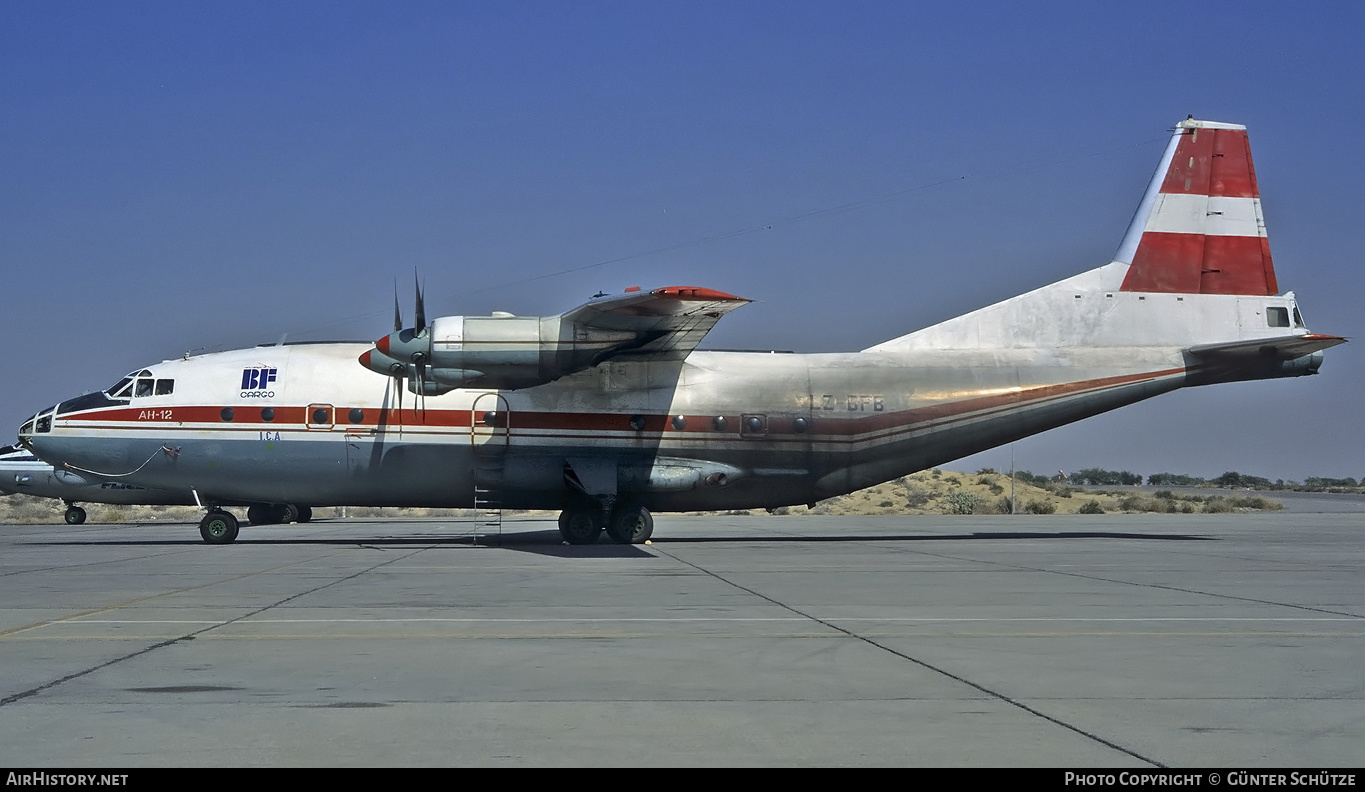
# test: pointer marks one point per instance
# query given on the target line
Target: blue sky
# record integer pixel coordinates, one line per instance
(196, 176)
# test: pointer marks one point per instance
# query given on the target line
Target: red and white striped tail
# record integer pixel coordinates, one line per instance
(1200, 229)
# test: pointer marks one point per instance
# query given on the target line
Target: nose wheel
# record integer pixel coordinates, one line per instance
(218, 527)
(75, 515)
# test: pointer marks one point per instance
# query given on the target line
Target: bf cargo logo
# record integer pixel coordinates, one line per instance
(256, 383)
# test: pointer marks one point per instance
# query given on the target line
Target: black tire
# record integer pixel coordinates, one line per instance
(75, 515)
(218, 527)
(581, 525)
(630, 524)
(305, 513)
(258, 515)
(289, 513)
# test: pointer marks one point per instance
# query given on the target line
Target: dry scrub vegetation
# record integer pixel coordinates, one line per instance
(926, 492)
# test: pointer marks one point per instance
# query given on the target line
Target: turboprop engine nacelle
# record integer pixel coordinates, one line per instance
(499, 351)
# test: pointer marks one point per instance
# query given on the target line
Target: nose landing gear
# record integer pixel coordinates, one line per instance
(218, 527)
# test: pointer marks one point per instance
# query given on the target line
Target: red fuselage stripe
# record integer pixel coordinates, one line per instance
(294, 418)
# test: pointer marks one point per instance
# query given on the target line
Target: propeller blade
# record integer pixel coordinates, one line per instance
(397, 314)
(421, 309)
(422, 390)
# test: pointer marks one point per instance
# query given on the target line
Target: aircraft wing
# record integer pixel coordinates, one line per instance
(668, 323)
(1283, 348)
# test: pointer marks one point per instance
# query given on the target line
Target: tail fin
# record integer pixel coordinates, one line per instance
(1199, 228)
(1193, 272)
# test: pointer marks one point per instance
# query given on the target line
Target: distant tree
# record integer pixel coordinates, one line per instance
(1031, 478)
(1322, 482)
(1174, 480)
(1101, 476)
(1232, 479)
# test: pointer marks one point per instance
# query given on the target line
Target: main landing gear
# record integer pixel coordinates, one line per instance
(75, 515)
(274, 513)
(626, 523)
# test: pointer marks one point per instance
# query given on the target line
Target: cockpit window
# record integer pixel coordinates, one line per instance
(165, 386)
(122, 389)
(1277, 316)
(144, 387)
(1298, 318)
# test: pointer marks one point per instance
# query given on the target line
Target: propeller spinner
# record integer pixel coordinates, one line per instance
(404, 353)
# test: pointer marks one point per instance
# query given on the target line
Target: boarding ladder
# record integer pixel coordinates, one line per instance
(488, 437)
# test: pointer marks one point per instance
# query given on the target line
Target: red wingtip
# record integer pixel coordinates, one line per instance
(694, 293)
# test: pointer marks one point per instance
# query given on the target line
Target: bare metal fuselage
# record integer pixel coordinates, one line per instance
(719, 430)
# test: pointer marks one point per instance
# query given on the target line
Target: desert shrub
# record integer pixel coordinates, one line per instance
(962, 502)
(991, 471)
(1041, 507)
(1216, 504)
(111, 514)
(1091, 507)
(916, 496)
(29, 509)
(1004, 506)
(1261, 504)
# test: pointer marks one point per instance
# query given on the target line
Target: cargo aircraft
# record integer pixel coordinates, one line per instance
(609, 412)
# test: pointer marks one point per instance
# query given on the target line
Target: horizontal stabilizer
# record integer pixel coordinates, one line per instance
(1284, 348)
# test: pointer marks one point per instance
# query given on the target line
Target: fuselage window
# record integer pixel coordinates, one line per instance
(144, 387)
(356, 415)
(1277, 317)
(165, 386)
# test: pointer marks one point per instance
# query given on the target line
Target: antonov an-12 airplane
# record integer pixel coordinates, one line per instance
(608, 412)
